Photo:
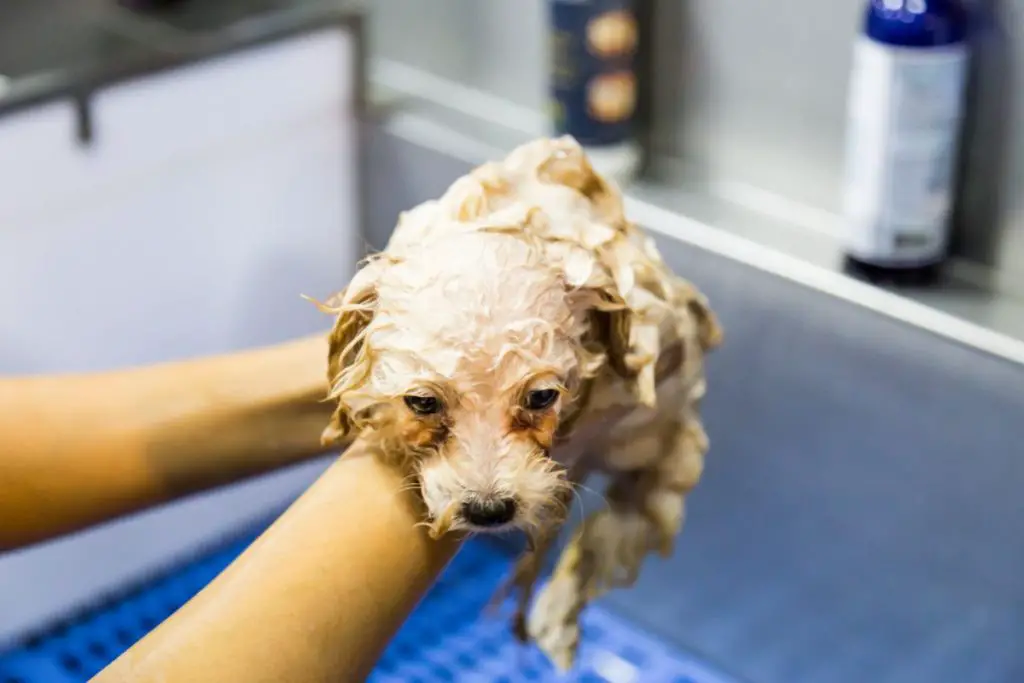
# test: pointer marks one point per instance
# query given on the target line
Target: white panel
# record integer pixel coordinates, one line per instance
(193, 259)
(208, 205)
(211, 103)
(38, 160)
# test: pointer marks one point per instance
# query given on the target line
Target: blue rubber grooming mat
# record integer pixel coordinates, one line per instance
(451, 636)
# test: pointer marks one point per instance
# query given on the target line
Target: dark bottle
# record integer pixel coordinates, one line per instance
(594, 88)
(904, 114)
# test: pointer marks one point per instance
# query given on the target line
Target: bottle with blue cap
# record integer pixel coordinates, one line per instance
(905, 109)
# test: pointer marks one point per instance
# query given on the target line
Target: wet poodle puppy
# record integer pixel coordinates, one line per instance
(519, 306)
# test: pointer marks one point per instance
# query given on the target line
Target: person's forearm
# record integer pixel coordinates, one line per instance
(315, 599)
(76, 450)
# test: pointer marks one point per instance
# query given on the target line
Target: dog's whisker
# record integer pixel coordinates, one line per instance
(409, 481)
(531, 542)
(578, 485)
(443, 522)
(405, 486)
(578, 497)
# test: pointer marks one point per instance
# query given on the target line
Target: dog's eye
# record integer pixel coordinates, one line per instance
(539, 399)
(423, 405)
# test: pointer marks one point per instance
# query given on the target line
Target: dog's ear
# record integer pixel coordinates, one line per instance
(611, 322)
(709, 330)
(628, 344)
(348, 360)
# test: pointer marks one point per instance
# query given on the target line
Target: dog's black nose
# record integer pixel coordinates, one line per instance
(489, 512)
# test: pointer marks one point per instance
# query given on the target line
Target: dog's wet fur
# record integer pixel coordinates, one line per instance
(498, 317)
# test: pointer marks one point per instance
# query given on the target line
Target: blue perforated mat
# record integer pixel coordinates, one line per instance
(450, 636)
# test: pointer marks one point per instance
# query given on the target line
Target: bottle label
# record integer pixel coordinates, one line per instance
(904, 111)
(593, 76)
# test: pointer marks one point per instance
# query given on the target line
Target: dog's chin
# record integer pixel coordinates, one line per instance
(500, 529)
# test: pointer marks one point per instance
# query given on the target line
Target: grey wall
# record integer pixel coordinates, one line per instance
(495, 45)
(749, 92)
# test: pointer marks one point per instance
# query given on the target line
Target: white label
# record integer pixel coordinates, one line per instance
(905, 107)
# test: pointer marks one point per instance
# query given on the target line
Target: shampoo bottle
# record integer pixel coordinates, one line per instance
(594, 81)
(904, 112)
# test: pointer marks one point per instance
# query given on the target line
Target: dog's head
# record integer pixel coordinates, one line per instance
(468, 348)
(465, 362)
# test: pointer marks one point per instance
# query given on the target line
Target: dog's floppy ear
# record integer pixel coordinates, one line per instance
(348, 361)
(709, 330)
(627, 343)
(611, 322)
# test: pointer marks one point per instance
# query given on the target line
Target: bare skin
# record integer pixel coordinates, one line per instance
(315, 599)
(82, 449)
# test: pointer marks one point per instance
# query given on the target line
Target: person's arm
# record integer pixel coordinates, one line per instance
(76, 450)
(315, 599)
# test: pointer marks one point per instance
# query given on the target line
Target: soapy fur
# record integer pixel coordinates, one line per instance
(526, 276)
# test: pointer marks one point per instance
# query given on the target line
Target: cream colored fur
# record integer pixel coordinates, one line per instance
(527, 276)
